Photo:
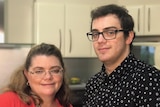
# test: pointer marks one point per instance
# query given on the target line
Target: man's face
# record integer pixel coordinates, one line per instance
(114, 50)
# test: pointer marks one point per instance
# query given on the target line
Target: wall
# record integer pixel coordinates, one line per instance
(82, 68)
(10, 59)
(137, 2)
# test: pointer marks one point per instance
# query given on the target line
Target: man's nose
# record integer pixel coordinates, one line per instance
(101, 38)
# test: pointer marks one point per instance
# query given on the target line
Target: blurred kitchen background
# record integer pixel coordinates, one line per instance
(24, 23)
(12, 58)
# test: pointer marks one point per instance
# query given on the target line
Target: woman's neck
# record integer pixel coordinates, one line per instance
(49, 102)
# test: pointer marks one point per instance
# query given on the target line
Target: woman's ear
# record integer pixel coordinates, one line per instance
(25, 73)
(130, 37)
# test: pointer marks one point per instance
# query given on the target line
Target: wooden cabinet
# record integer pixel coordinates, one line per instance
(18, 21)
(64, 25)
(145, 18)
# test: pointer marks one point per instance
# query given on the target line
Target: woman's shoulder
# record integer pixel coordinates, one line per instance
(9, 95)
(11, 99)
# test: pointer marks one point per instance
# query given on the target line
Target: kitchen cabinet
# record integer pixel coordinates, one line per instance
(49, 24)
(151, 24)
(64, 25)
(145, 18)
(137, 12)
(18, 21)
(77, 25)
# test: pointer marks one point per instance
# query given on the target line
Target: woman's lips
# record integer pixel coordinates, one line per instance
(48, 84)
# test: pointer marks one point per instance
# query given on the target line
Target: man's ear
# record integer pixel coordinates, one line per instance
(130, 37)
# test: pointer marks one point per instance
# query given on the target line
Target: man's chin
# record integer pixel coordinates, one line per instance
(102, 59)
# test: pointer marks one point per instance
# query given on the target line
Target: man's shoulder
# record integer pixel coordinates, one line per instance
(139, 65)
(144, 67)
(145, 72)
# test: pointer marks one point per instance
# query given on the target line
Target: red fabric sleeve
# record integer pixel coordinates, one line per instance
(11, 99)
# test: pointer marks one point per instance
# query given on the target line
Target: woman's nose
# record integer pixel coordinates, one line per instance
(48, 75)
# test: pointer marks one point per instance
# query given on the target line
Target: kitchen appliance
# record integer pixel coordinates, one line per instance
(148, 52)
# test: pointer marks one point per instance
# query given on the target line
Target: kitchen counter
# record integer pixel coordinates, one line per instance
(77, 94)
(77, 86)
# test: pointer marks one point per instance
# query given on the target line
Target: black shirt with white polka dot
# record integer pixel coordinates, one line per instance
(132, 84)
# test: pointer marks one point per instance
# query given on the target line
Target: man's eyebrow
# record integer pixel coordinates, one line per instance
(111, 27)
(94, 30)
(107, 28)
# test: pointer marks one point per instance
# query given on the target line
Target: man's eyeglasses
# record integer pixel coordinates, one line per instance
(107, 34)
(40, 73)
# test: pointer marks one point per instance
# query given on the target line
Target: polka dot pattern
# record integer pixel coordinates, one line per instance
(132, 84)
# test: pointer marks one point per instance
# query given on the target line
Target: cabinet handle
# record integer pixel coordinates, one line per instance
(138, 20)
(70, 46)
(149, 13)
(60, 39)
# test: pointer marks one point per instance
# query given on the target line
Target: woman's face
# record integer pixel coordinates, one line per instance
(49, 82)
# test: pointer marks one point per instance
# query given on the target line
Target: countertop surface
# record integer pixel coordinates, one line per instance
(80, 86)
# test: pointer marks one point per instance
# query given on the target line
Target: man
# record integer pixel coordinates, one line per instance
(123, 80)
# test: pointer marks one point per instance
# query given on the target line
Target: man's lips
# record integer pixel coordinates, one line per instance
(103, 49)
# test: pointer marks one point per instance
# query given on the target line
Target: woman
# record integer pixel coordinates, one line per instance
(40, 82)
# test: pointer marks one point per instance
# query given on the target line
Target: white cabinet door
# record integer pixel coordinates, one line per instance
(137, 12)
(65, 26)
(145, 19)
(77, 25)
(152, 17)
(18, 21)
(49, 24)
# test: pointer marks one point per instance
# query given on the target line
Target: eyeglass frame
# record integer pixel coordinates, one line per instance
(105, 31)
(44, 72)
